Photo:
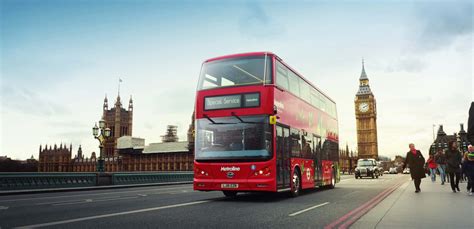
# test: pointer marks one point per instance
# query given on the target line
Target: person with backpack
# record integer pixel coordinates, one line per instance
(440, 159)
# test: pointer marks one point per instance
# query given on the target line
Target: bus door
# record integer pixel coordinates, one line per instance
(283, 156)
(318, 166)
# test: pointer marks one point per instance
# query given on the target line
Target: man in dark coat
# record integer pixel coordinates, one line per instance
(415, 162)
(470, 125)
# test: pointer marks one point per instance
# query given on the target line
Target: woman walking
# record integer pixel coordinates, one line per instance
(440, 159)
(415, 161)
(432, 166)
(453, 159)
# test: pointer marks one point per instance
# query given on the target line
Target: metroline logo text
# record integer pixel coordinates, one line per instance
(233, 168)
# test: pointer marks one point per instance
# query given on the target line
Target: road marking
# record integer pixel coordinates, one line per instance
(69, 201)
(355, 214)
(93, 194)
(114, 214)
(94, 201)
(3, 208)
(307, 209)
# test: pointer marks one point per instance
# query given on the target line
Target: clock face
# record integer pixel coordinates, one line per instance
(363, 107)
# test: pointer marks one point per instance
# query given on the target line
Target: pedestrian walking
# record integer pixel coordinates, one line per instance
(415, 161)
(432, 166)
(470, 124)
(440, 159)
(468, 169)
(453, 159)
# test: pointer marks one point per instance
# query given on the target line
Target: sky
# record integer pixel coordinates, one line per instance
(60, 58)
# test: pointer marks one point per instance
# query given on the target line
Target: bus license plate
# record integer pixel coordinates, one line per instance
(229, 185)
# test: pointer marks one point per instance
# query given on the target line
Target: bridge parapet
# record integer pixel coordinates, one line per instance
(17, 181)
(21, 181)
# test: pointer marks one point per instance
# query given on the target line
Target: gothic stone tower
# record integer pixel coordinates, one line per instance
(119, 121)
(366, 119)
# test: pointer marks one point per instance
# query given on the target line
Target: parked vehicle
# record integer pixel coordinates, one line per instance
(386, 172)
(379, 165)
(393, 170)
(367, 168)
(406, 171)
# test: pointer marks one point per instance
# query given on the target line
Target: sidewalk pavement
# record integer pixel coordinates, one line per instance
(436, 206)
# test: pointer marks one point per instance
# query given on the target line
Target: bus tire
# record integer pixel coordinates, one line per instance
(295, 188)
(230, 193)
(333, 181)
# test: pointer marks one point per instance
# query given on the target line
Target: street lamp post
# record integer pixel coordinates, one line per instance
(101, 136)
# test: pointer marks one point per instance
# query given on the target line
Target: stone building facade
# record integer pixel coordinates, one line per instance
(442, 140)
(347, 160)
(119, 121)
(54, 158)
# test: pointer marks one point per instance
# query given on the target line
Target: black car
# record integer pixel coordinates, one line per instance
(367, 168)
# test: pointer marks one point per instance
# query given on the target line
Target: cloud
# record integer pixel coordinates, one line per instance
(173, 101)
(257, 23)
(410, 65)
(441, 23)
(74, 135)
(29, 102)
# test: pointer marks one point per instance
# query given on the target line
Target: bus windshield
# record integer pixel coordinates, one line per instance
(229, 138)
(236, 72)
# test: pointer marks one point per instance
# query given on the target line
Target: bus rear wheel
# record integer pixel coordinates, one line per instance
(230, 193)
(333, 181)
(295, 183)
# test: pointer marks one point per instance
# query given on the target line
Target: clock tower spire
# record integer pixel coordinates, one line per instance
(366, 118)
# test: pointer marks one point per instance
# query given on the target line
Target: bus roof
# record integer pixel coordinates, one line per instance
(271, 54)
(238, 55)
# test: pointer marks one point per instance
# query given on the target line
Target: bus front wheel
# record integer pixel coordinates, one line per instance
(230, 193)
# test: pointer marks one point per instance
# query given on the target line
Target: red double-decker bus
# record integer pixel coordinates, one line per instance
(261, 126)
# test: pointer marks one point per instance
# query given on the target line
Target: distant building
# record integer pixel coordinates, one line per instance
(347, 160)
(191, 133)
(165, 156)
(122, 152)
(171, 134)
(9, 165)
(366, 119)
(119, 121)
(54, 159)
(442, 140)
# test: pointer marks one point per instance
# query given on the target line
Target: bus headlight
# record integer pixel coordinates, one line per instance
(263, 172)
(200, 172)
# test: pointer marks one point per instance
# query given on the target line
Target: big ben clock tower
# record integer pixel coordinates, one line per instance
(366, 119)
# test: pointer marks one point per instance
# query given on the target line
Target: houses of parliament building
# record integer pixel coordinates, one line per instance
(122, 152)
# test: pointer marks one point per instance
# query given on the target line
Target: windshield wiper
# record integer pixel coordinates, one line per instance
(214, 122)
(242, 121)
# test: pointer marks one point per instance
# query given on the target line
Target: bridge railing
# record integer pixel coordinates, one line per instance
(21, 181)
(140, 178)
(16, 181)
